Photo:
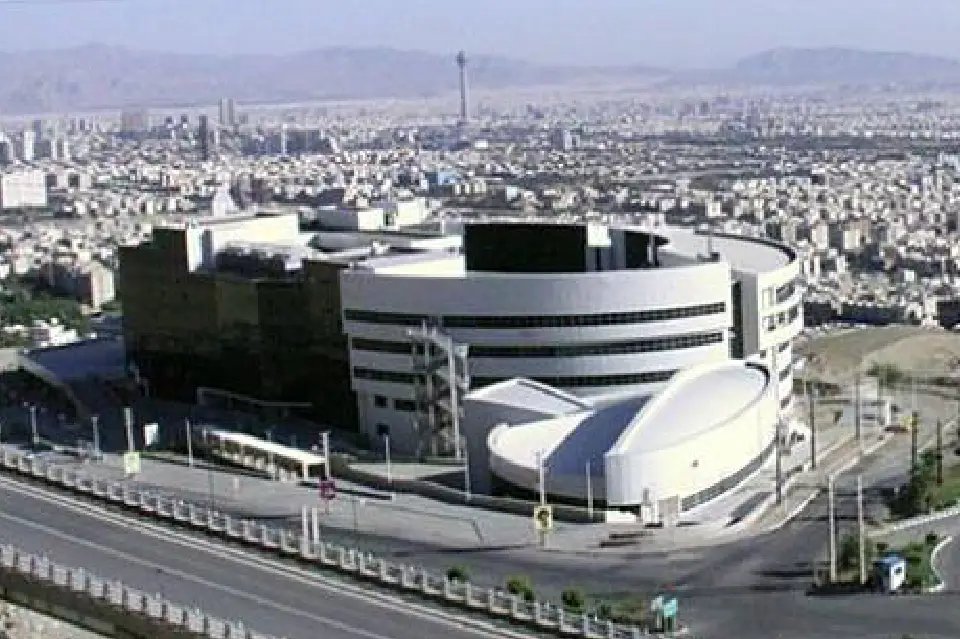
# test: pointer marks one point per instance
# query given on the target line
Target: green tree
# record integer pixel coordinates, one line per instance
(849, 552)
(458, 573)
(573, 599)
(522, 586)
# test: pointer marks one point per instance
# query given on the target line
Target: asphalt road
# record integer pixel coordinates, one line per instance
(746, 589)
(275, 602)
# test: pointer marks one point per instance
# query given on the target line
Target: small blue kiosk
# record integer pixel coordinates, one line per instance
(890, 572)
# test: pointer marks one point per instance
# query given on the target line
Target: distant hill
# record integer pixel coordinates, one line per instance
(98, 76)
(832, 65)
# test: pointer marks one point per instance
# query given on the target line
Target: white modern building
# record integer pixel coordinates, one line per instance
(604, 313)
(23, 189)
(662, 455)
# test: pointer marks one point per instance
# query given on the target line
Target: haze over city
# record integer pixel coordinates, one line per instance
(671, 33)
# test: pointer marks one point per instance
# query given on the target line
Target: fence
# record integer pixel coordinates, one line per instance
(106, 606)
(494, 602)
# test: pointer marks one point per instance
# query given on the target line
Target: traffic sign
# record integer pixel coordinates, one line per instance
(543, 518)
(131, 463)
(669, 608)
(656, 604)
(328, 489)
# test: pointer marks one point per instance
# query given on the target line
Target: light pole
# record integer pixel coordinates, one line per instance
(386, 451)
(34, 435)
(467, 488)
(211, 496)
(189, 429)
(541, 478)
(589, 492)
(95, 426)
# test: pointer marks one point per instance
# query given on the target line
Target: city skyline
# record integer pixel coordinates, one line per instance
(541, 31)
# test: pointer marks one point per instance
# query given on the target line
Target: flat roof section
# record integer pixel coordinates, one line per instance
(742, 253)
(532, 396)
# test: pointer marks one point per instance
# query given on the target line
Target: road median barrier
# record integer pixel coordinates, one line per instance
(541, 616)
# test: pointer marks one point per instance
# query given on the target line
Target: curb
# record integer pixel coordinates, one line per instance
(942, 584)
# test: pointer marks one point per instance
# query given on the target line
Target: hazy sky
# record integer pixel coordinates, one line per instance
(687, 33)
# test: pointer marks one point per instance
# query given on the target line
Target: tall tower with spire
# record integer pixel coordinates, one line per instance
(462, 64)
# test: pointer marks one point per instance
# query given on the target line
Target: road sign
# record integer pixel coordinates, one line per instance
(669, 608)
(328, 489)
(543, 518)
(131, 463)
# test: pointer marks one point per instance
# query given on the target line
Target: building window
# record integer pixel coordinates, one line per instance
(379, 401)
(539, 321)
(405, 405)
(390, 377)
(587, 381)
(651, 345)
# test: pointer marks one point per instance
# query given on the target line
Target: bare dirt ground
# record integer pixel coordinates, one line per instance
(836, 356)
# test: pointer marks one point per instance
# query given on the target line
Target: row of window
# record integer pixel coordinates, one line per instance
(587, 381)
(650, 345)
(779, 320)
(538, 321)
(581, 381)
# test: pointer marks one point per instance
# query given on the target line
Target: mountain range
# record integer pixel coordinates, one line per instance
(99, 76)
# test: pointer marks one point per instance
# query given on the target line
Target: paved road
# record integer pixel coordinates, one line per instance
(271, 601)
(750, 588)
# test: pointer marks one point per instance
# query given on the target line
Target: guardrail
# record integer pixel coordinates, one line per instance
(494, 602)
(100, 604)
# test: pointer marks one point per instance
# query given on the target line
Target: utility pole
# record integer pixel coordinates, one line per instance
(813, 425)
(128, 422)
(861, 532)
(189, 429)
(914, 452)
(95, 425)
(34, 433)
(777, 453)
(589, 492)
(857, 413)
(939, 452)
(832, 523)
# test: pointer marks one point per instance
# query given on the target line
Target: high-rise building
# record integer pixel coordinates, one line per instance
(203, 137)
(462, 64)
(27, 150)
(228, 113)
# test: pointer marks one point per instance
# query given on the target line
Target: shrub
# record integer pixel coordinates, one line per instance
(573, 599)
(932, 538)
(458, 573)
(521, 586)
(604, 610)
(882, 548)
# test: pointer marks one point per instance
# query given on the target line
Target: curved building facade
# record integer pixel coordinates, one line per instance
(708, 431)
(600, 312)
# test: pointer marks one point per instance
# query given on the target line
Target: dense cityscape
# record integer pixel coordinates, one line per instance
(600, 352)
